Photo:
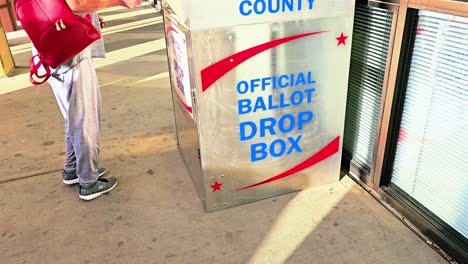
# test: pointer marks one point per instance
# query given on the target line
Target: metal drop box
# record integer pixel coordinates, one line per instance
(259, 91)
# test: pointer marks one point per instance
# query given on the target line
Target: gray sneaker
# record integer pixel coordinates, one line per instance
(70, 178)
(100, 187)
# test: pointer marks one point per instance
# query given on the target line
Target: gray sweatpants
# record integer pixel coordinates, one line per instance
(76, 88)
(79, 97)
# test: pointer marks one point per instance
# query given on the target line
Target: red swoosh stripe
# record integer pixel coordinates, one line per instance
(214, 72)
(172, 29)
(188, 108)
(328, 151)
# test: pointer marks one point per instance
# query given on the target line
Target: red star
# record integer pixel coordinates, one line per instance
(419, 31)
(342, 39)
(216, 186)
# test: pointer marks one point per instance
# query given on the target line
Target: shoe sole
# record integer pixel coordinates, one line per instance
(76, 181)
(96, 195)
(71, 182)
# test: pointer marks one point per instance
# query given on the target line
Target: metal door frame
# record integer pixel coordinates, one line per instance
(394, 86)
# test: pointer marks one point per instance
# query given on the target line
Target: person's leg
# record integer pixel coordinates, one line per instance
(62, 91)
(84, 117)
(62, 88)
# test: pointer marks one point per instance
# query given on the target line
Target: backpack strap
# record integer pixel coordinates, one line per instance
(34, 73)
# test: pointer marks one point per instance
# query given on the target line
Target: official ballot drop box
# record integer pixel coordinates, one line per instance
(259, 91)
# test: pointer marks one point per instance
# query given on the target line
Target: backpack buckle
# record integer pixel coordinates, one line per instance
(60, 25)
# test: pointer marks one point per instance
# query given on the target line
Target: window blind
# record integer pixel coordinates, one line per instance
(372, 27)
(431, 162)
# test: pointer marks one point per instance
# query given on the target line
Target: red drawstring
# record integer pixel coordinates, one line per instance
(34, 71)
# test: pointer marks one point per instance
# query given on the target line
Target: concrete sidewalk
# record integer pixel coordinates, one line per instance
(154, 215)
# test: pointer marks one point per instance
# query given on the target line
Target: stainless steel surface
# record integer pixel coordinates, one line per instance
(179, 8)
(232, 172)
(222, 151)
(208, 14)
(187, 138)
(187, 133)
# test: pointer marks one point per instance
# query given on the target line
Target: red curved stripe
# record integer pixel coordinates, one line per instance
(331, 149)
(171, 29)
(214, 72)
(188, 108)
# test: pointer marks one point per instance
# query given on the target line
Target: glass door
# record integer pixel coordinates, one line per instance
(430, 166)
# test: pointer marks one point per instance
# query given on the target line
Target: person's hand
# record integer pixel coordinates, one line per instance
(102, 23)
(131, 3)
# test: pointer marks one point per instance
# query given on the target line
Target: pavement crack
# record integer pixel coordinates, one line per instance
(22, 177)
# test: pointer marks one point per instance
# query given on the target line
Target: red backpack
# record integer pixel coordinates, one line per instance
(56, 32)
